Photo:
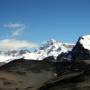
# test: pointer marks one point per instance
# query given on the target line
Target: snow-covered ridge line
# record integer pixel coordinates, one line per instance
(49, 48)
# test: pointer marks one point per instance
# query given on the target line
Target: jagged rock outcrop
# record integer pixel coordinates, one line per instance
(81, 51)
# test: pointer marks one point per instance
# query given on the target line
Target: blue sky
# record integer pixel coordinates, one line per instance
(64, 20)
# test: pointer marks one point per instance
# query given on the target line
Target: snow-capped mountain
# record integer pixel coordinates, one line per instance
(49, 48)
(81, 51)
(14, 52)
(6, 56)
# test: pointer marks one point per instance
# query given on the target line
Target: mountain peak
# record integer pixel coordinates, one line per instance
(53, 48)
(81, 51)
(85, 41)
(52, 40)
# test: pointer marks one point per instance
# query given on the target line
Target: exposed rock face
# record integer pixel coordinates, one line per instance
(81, 50)
(61, 57)
(49, 59)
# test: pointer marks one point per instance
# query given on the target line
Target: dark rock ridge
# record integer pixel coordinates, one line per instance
(49, 59)
(79, 52)
(23, 64)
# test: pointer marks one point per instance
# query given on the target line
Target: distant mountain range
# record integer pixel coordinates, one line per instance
(52, 48)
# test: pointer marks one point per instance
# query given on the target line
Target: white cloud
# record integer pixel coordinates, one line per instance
(16, 29)
(14, 25)
(11, 44)
(17, 32)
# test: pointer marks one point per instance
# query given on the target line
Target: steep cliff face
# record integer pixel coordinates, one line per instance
(81, 51)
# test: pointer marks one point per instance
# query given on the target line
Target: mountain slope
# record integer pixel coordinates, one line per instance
(25, 74)
(81, 51)
(42, 75)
